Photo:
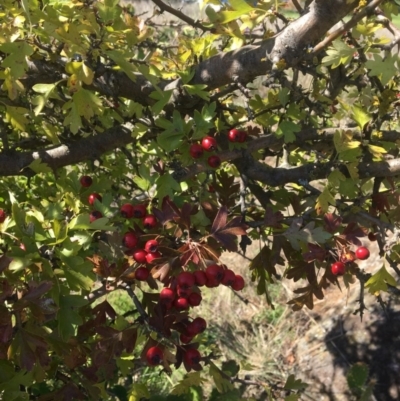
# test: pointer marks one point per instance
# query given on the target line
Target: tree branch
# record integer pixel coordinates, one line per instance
(15, 163)
(190, 21)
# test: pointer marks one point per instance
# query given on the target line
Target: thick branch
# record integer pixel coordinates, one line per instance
(14, 163)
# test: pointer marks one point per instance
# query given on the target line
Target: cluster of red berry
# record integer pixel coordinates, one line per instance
(209, 144)
(339, 268)
(182, 293)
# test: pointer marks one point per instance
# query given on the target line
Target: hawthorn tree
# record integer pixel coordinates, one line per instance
(133, 154)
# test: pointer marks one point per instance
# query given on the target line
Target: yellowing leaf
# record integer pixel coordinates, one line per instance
(380, 280)
(16, 116)
(138, 392)
(360, 116)
(81, 71)
(343, 141)
(323, 201)
(376, 151)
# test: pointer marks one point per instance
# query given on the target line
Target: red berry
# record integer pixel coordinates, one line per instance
(362, 253)
(200, 278)
(372, 236)
(130, 240)
(197, 326)
(242, 136)
(183, 292)
(86, 181)
(234, 135)
(196, 151)
(149, 221)
(139, 255)
(92, 198)
(181, 303)
(212, 283)
(238, 284)
(139, 211)
(141, 274)
(151, 245)
(209, 143)
(185, 280)
(95, 215)
(194, 299)
(154, 356)
(185, 339)
(152, 255)
(214, 161)
(215, 273)
(192, 357)
(338, 268)
(3, 215)
(229, 277)
(167, 296)
(127, 210)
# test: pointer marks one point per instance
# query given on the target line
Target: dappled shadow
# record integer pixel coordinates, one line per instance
(376, 343)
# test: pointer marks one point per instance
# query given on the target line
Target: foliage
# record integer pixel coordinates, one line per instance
(95, 88)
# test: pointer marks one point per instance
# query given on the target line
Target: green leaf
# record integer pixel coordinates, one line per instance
(87, 103)
(162, 98)
(68, 315)
(197, 90)
(380, 280)
(138, 392)
(294, 384)
(223, 385)
(19, 263)
(360, 116)
(16, 60)
(357, 376)
(38, 167)
(192, 379)
(324, 200)
(121, 59)
(167, 186)
(298, 236)
(73, 118)
(385, 69)
(288, 130)
(60, 229)
(174, 132)
(240, 8)
(78, 281)
(338, 53)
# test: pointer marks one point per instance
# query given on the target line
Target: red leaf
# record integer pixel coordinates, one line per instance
(272, 218)
(315, 252)
(226, 233)
(332, 222)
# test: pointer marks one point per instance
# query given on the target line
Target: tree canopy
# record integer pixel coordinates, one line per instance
(204, 135)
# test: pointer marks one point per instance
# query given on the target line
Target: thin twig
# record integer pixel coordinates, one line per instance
(181, 15)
